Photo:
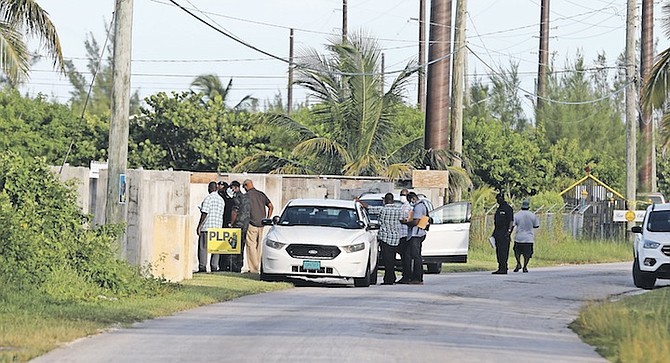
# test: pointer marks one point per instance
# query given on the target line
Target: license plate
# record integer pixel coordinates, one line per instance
(311, 265)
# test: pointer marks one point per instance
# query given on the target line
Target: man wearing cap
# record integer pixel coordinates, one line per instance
(525, 222)
(503, 224)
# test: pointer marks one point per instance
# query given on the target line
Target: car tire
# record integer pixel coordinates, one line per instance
(642, 279)
(434, 268)
(265, 277)
(364, 281)
(373, 276)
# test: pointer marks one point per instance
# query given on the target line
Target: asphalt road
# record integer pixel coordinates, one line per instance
(463, 317)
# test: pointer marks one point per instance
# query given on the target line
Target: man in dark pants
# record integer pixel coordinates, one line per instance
(240, 219)
(389, 236)
(503, 224)
(415, 237)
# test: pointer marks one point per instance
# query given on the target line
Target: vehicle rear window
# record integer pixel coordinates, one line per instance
(659, 221)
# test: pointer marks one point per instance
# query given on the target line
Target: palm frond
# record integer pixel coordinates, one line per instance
(657, 83)
(323, 147)
(271, 163)
(289, 125)
(14, 59)
(399, 171)
(27, 15)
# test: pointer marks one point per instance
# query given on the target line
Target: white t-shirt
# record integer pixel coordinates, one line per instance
(525, 222)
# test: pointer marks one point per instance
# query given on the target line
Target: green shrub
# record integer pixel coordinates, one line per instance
(47, 242)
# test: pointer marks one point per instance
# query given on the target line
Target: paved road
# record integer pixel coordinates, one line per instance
(464, 317)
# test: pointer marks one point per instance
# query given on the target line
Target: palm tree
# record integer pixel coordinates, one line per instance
(19, 17)
(354, 116)
(656, 86)
(210, 85)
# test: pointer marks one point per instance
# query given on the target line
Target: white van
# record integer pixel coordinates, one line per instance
(448, 238)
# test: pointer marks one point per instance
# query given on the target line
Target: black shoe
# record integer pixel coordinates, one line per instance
(403, 281)
(416, 282)
(386, 283)
(499, 272)
(517, 268)
(525, 269)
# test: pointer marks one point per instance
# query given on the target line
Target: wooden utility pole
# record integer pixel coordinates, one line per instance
(289, 92)
(421, 101)
(344, 21)
(458, 90)
(382, 74)
(543, 62)
(631, 106)
(647, 173)
(116, 205)
(438, 96)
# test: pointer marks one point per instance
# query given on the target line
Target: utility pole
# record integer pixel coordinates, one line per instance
(116, 205)
(421, 101)
(543, 62)
(631, 99)
(458, 90)
(438, 95)
(344, 21)
(289, 93)
(382, 75)
(646, 176)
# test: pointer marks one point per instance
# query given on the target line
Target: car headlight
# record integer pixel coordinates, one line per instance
(354, 248)
(650, 244)
(274, 244)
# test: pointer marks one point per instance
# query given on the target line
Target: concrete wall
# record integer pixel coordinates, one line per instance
(163, 213)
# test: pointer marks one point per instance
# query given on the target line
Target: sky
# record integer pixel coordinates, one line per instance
(170, 48)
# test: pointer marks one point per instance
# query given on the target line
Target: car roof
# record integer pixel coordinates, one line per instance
(657, 207)
(341, 203)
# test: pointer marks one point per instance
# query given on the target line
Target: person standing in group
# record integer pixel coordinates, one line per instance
(258, 202)
(503, 224)
(524, 237)
(416, 236)
(211, 216)
(405, 260)
(240, 219)
(225, 261)
(389, 236)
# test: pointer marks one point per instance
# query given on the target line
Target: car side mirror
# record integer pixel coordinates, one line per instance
(636, 229)
(268, 221)
(373, 225)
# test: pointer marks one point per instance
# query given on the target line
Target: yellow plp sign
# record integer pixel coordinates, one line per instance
(224, 241)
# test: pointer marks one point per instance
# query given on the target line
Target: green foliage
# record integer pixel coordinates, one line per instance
(100, 98)
(45, 241)
(186, 132)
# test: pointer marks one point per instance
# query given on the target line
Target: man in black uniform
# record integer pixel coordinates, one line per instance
(502, 230)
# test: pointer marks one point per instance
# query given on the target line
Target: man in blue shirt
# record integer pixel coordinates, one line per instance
(415, 237)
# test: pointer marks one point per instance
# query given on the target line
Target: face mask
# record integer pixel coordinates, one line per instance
(403, 199)
(230, 192)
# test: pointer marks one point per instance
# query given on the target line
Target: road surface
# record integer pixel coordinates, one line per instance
(458, 317)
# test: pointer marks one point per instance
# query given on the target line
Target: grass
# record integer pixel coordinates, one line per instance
(32, 324)
(633, 329)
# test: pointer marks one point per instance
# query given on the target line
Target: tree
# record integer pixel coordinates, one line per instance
(178, 131)
(211, 87)
(352, 123)
(18, 19)
(656, 86)
(97, 101)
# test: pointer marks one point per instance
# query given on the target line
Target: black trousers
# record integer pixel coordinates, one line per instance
(502, 249)
(388, 259)
(415, 258)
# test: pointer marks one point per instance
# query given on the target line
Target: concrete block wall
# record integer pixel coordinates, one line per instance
(163, 213)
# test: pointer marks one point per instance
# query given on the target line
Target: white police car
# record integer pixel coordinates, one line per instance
(651, 248)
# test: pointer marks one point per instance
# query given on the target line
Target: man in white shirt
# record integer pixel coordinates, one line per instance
(211, 216)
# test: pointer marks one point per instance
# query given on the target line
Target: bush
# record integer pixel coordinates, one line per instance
(47, 242)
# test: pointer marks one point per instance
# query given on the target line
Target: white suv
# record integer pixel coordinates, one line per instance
(651, 248)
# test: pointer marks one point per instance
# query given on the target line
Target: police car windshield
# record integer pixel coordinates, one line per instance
(659, 221)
